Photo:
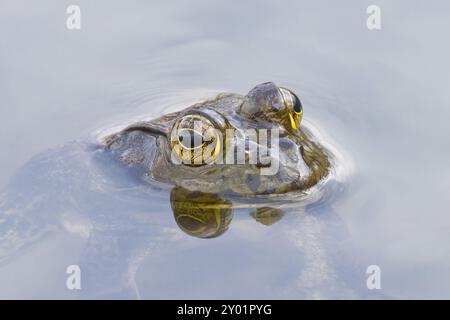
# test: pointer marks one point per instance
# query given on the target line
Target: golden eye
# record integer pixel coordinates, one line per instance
(294, 107)
(195, 140)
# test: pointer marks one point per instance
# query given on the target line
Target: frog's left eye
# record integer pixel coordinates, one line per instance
(293, 105)
(195, 140)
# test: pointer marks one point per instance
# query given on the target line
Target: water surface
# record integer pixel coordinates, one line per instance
(381, 97)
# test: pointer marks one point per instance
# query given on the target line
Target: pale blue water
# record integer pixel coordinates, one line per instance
(381, 98)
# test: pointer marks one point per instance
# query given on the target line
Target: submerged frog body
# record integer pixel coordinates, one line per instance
(293, 162)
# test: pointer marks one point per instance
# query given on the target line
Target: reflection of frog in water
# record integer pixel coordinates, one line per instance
(207, 215)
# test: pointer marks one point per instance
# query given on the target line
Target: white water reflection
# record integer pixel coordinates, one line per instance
(381, 95)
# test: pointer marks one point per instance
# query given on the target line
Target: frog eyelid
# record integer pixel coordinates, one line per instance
(212, 116)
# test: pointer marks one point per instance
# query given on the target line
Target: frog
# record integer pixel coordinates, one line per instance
(205, 193)
(301, 162)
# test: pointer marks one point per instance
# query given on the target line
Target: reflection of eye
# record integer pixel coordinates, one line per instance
(195, 140)
(202, 215)
(293, 105)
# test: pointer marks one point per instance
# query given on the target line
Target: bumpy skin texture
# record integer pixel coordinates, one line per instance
(302, 161)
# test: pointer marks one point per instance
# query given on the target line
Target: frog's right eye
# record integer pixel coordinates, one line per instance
(293, 106)
(271, 102)
(194, 140)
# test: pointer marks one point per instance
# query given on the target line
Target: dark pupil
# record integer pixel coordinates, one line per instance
(297, 104)
(190, 139)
